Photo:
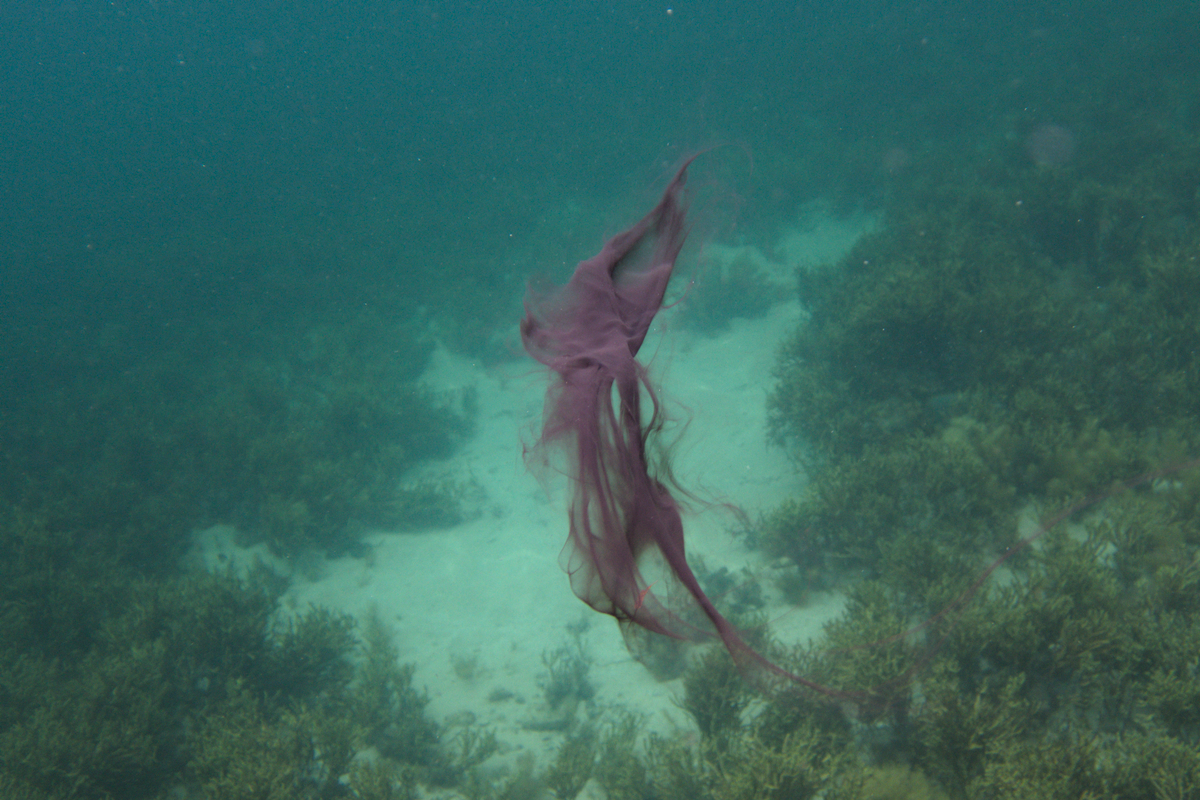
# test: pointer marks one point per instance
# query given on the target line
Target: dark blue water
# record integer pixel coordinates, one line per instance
(458, 123)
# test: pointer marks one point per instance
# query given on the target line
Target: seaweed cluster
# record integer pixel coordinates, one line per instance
(120, 676)
(301, 444)
(736, 284)
(1076, 677)
(116, 686)
(1017, 336)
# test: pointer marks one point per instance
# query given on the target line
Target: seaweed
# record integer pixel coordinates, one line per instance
(199, 679)
(566, 678)
(246, 749)
(574, 761)
(300, 446)
(605, 753)
(382, 779)
(1016, 337)
(738, 288)
(715, 696)
(390, 710)
(309, 654)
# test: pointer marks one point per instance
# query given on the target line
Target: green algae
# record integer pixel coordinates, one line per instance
(197, 681)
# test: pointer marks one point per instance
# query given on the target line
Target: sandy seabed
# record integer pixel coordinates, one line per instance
(477, 607)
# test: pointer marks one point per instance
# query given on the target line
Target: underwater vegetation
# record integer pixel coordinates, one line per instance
(739, 287)
(1012, 340)
(121, 676)
(300, 445)
(196, 686)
